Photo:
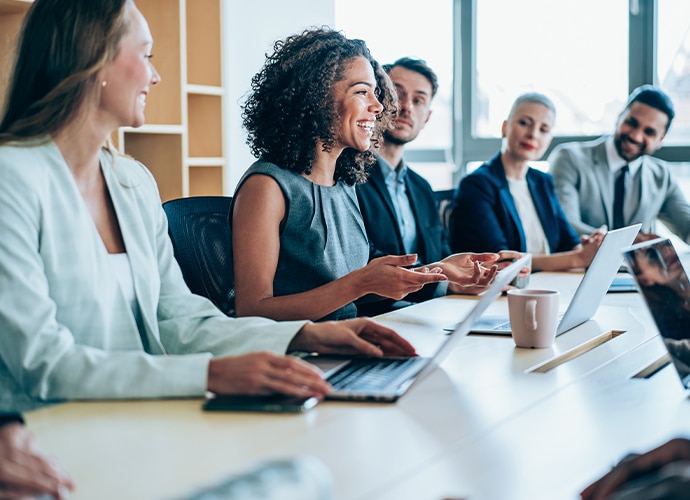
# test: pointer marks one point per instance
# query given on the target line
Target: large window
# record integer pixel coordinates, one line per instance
(586, 63)
(587, 55)
(673, 65)
(557, 48)
(397, 28)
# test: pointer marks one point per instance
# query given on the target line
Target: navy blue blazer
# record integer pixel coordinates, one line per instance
(384, 233)
(382, 226)
(485, 219)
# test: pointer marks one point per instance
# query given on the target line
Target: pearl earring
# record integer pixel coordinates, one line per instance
(104, 83)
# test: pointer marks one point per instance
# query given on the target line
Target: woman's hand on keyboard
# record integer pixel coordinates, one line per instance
(353, 336)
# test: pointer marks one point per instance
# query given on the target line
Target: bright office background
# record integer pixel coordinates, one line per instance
(587, 55)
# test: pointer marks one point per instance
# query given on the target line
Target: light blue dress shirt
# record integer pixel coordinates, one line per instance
(395, 182)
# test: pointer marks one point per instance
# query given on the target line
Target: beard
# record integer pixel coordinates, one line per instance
(618, 141)
(392, 139)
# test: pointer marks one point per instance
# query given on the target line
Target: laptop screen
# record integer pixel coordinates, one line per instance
(662, 281)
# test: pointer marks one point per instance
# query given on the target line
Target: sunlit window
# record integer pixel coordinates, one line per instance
(577, 52)
(574, 51)
(673, 64)
(397, 28)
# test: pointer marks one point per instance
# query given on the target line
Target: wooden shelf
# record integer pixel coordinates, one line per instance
(162, 154)
(204, 89)
(155, 129)
(205, 162)
(189, 100)
(14, 6)
(204, 42)
(11, 15)
(205, 125)
(206, 181)
(182, 140)
(163, 104)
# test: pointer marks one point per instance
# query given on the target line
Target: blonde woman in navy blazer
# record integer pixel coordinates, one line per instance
(93, 304)
(486, 214)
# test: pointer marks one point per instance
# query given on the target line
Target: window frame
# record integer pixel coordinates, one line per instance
(642, 18)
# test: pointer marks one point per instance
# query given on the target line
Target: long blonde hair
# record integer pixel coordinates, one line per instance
(63, 46)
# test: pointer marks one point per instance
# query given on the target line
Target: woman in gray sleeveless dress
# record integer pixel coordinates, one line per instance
(299, 245)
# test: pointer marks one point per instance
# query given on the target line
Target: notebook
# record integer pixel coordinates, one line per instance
(386, 379)
(663, 283)
(589, 293)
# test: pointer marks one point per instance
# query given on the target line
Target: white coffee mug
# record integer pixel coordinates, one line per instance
(533, 316)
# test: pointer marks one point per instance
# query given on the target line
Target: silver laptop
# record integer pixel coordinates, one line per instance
(589, 293)
(386, 379)
(663, 283)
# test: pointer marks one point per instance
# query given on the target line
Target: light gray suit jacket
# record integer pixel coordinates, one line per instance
(584, 184)
(66, 329)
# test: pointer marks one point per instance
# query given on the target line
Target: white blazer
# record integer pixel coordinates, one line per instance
(66, 329)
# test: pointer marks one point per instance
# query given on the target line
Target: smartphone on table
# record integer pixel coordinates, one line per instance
(274, 403)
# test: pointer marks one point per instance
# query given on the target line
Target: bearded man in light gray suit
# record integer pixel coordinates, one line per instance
(585, 173)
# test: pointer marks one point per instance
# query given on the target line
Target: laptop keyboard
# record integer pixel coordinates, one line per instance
(367, 374)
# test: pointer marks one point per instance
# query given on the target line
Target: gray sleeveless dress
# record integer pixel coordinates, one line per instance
(323, 237)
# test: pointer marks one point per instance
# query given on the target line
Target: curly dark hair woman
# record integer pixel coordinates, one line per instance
(291, 107)
(300, 249)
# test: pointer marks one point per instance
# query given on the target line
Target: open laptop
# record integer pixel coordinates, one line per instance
(663, 283)
(386, 379)
(589, 293)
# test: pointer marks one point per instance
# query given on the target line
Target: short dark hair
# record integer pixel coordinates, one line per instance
(418, 65)
(654, 97)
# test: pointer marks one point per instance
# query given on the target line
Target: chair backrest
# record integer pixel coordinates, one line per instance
(444, 203)
(202, 241)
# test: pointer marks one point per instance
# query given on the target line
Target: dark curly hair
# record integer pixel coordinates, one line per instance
(291, 103)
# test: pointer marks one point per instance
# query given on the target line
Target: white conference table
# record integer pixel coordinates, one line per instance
(483, 426)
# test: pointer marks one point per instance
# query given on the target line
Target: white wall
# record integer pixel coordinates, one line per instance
(249, 29)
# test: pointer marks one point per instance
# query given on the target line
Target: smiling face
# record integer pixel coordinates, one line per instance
(414, 104)
(640, 131)
(129, 77)
(528, 131)
(357, 105)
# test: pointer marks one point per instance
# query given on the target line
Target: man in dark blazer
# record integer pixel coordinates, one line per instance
(585, 173)
(398, 206)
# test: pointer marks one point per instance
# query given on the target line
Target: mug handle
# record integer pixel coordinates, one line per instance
(531, 314)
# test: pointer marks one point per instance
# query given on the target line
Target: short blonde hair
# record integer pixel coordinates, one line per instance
(533, 97)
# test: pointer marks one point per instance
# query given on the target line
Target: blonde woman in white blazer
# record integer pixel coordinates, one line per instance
(92, 302)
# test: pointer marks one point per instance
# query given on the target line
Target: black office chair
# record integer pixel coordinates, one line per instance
(444, 203)
(202, 241)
